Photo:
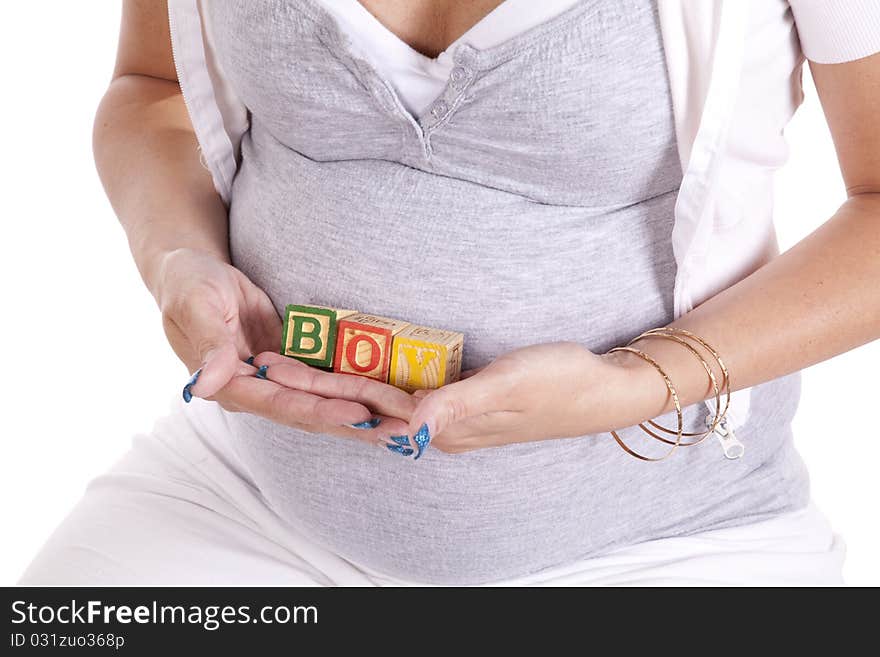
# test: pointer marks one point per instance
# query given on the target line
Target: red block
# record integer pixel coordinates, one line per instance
(363, 345)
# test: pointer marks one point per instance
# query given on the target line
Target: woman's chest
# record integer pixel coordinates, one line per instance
(573, 111)
(428, 26)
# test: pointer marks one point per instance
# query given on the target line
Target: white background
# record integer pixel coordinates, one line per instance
(87, 365)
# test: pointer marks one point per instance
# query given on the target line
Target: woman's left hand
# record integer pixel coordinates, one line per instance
(539, 392)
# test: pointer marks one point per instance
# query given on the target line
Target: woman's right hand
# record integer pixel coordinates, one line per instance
(215, 318)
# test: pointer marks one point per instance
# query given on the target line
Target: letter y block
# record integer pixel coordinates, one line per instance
(425, 358)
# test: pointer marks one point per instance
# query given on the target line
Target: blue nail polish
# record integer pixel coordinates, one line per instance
(422, 438)
(187, 389)
(403, 451)
(372, 423)
(400, 440)
(250, 360)
(261, 373)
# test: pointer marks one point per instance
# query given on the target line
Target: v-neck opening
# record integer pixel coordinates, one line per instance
(486, 55)
(459, 55)
(445, 53)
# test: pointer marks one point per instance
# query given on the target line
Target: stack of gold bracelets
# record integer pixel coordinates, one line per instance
(680, 336)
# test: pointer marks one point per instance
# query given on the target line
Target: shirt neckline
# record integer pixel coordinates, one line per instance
(417, 78)
(465, 59)
(501, 24)
(477, 45)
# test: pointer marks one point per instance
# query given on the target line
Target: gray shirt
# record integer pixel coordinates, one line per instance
(532, 202)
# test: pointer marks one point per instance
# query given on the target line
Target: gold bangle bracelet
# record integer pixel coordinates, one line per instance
(725, 374)
(675, 402)
(700, 436)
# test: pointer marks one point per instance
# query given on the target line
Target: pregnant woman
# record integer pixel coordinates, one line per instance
(551, 179)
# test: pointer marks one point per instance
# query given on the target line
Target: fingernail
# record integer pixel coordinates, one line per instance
(404, 451)
(372, 423)
(261, 373)
(400, 440)
(422, 438)
(187, 389)
(250, 360)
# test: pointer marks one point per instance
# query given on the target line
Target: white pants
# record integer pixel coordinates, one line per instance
(177, 509)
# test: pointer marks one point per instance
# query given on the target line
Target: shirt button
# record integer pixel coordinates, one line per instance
(439, 109)
(459, 74)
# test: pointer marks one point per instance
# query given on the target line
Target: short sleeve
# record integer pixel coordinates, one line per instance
(835, 31)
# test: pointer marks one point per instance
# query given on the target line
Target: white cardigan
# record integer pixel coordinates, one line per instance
(734, 70)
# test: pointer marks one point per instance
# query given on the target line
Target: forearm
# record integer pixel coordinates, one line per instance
(148, 160)
(815, 301)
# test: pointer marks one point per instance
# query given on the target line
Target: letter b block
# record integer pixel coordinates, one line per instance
(310, 333)
(424, 357)
(363, 345)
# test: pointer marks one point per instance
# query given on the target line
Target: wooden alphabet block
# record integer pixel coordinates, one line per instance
(310, 333)
(363, 345)
(424, 357)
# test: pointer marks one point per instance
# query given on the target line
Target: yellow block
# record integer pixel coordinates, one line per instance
(425, 358)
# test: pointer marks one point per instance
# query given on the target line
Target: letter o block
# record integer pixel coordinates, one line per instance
(310, 333)
(363, 345)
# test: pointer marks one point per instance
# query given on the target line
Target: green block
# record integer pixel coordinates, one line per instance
(310, 333)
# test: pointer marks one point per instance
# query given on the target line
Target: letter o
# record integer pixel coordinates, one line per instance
(351, 353)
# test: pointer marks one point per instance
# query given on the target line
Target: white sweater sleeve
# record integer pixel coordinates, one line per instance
(834, 31)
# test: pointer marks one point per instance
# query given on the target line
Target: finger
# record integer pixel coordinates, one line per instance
(298, 409)
(217, 346)
(481, 393)
(242, 369)
(264, 325)
(382, 432)
(273, 358)
(380, 397)
(290, 406)
(388, 431)
(377, 429)
(219, 366)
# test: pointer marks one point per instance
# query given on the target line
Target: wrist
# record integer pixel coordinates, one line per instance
(646, 394)
(152, 247)
(161, 268)
(650, 394)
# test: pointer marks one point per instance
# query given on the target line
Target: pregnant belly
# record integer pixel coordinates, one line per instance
(387, 239)
(507, 272)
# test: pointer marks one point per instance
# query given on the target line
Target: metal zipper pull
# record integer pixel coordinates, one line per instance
(733, 448)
